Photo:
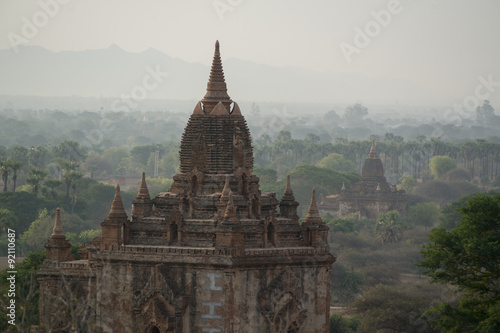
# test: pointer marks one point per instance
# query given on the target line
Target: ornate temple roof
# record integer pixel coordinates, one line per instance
(216, 139)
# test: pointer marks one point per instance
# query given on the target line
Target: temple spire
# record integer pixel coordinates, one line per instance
(117, 210)
(143, 189)
(216, 86)
(373, 152)
(58, 230)
(312, 212)
(288, 188)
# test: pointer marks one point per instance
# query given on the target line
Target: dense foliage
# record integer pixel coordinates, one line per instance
(468, 257)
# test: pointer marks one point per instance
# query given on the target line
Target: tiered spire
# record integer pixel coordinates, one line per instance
(288, 188)
(313, 212)
(143, 189)
(117, 210)
(58, 247)
(58, 230)
(373, 152)
(216, 86)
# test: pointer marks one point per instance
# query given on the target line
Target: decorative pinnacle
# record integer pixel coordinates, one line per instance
(143, 189)
(58, 230)
(313, 213)
(343, 187)
(216, 86)
(117, 210)
(378, 187)
(288, 188)
(373, 152)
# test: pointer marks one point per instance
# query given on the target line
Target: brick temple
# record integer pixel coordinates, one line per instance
(213, 254)
(368, 197)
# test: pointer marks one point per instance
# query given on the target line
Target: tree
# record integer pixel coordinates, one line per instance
(337, 162)
(35, 178)
(426, 214)
(440, 165)
(355, 112)
(4, 171)
(15, 165)
(468, 257)
(392, 309)
(52, 184)
(408, 183)
(485, 112)
(389, 227)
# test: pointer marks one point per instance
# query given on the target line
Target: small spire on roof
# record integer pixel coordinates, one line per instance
(378, 187)
(313, 212)
(288, 188)
(219, 110)
(373, 152)
(143, 189)
(198, 109)
(343, 187)
(236, 110)
(57, 230)
(216, 86)
(117, 210)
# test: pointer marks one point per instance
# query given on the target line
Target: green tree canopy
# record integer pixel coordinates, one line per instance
(337, 162)
(440, 165)
(468, 257)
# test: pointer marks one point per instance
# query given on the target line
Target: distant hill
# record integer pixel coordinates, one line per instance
(113, 72)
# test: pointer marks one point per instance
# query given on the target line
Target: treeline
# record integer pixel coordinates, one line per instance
(479, 158)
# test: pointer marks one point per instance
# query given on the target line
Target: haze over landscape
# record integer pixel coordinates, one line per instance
(382, 52)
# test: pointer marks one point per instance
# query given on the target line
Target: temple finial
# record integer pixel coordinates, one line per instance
(216, 86)
(343, 187)
(58, 230)
(117, 210)
(143, 189)
(313, 212)
(373, 152)
(288, 188)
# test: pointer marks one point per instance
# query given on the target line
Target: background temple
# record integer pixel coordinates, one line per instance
(368, 197)
(211, 255)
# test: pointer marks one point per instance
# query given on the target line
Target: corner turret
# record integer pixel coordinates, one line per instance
(58, 248)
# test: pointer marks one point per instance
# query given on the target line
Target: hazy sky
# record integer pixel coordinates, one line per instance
(442, 44)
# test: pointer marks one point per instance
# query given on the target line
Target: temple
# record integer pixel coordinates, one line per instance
(368, 197)
(213, 254)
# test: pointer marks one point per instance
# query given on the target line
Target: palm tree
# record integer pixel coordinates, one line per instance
(68, 169)
(4, 171)
(389, 227)
(15, 165)
(35, 178)
(74, 176)
(52, 184)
